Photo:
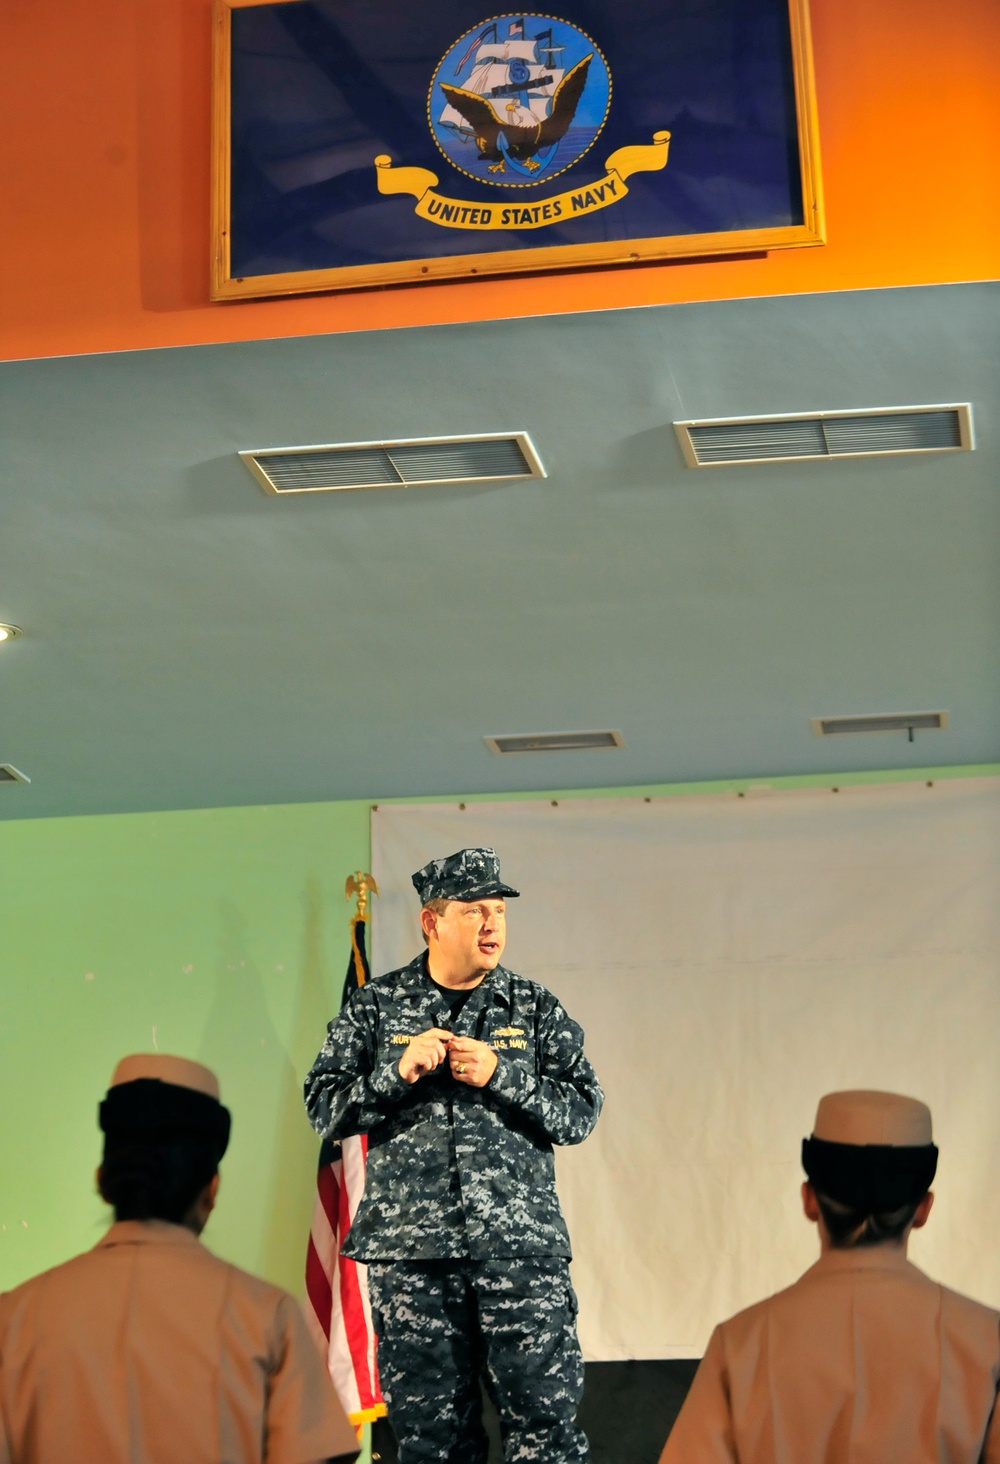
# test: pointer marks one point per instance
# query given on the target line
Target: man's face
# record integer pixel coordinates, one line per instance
(472, 936)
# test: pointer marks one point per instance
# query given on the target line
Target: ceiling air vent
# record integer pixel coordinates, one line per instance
(882, 722)
(11, 775)
(552, 741)
(423, 460)
(826, 435)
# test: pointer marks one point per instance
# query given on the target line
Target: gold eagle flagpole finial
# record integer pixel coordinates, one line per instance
(359, 884)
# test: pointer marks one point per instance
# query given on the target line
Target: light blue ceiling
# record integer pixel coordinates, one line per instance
(190, 641)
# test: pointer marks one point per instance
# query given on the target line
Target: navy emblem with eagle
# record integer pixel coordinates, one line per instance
(519, 99)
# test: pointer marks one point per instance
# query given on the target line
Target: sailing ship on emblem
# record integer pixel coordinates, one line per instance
(515, 96)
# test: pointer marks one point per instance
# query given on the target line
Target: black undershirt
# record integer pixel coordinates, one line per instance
(454, 997)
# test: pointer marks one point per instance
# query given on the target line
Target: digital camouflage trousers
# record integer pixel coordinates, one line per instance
(444, 1325)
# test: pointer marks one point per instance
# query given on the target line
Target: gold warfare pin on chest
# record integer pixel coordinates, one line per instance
(510, 1037)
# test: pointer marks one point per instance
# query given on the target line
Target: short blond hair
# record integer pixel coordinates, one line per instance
(437, 907)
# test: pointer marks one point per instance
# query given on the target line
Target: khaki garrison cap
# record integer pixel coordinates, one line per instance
(181, 1071)
(867, 1117)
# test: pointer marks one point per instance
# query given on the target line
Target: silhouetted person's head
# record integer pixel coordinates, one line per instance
(165, 1132)
(870, 1161)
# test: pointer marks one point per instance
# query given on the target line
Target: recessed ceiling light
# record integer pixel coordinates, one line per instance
(8, 632)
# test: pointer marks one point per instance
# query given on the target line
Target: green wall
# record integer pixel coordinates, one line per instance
(220, 934)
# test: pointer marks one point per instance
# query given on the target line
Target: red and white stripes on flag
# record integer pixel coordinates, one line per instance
(338, 1310)
(339, 1313)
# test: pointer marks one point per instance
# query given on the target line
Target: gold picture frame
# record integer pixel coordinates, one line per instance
(644, 154)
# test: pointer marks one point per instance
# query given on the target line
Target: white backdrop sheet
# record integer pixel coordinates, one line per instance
(732, 959)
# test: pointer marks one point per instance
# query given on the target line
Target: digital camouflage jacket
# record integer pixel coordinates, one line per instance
(455, 1171)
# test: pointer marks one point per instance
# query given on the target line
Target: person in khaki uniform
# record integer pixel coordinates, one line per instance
(864, 1360)
(148, 1349)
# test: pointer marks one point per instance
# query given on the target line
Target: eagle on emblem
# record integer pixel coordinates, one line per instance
(496, 135)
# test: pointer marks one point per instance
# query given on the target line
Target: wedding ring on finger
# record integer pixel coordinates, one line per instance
(460, 1067)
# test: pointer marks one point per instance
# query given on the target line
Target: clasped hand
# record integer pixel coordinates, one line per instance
(470, 1061)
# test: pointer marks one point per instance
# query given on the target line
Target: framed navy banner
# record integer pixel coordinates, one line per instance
(384, 142)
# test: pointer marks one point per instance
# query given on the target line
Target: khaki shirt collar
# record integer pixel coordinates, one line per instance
(861, 1258)
(147, 1232)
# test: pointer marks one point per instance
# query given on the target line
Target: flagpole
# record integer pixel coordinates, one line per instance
(336, 1288)
(358, 885)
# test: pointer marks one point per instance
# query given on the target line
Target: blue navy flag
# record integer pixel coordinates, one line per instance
(367, 139)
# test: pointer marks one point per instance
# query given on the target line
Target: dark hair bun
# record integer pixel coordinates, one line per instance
(156, 1181)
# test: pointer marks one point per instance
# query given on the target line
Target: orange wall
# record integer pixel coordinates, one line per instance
(105, 181)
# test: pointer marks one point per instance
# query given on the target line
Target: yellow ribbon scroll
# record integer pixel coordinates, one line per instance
(455, 213)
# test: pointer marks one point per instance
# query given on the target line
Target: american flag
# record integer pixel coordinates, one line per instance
(337, 1308)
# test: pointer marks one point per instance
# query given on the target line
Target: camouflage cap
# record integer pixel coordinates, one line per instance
(471, 874)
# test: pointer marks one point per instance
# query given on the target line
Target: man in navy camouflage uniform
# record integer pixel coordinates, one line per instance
(463, 1075)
